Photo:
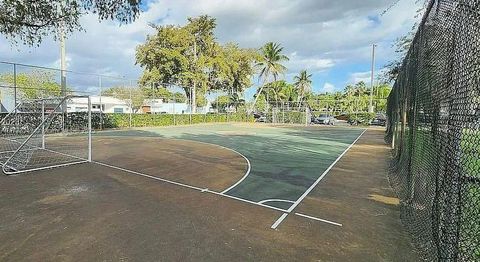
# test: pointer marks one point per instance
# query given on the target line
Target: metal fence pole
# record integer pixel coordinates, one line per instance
(131, 106)
(90, 129)
(43, 126)
(15, 87)
(306, 116)
(174, 102)
(100, 101)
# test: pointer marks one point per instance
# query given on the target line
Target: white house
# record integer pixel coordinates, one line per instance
(107, 103)
(157, 106)
(150, 106)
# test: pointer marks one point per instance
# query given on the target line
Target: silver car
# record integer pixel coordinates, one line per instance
(325, 119)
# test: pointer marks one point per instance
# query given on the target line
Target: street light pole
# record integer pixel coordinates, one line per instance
(370, 108)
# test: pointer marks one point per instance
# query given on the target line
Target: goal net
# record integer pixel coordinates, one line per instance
(46, 133)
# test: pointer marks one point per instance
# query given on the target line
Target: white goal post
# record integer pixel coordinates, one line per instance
(46, 133)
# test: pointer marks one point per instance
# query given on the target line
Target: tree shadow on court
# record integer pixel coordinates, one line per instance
(338, 134)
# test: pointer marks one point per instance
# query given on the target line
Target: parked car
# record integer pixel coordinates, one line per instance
(325, 119)
(343, 117)
(379, 120)
(259, 117)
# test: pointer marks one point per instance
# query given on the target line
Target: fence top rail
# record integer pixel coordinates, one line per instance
(67, 71)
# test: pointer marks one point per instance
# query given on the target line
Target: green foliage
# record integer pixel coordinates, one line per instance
(270, 61)
(361, 118)
(34, 84)
(270, 64)
(164, 93)
(152, 120)
(303, 84)
(354, 98)
(31, 21)
(190, 56)
(287, 117)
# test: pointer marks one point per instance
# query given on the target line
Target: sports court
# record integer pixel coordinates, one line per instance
(237, 191)
(277, 164)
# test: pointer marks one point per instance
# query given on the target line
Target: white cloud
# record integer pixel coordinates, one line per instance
(311, 64)
(328, 88)
(319, 35)
(359, 76)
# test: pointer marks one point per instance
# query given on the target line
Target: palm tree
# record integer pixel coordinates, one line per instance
(303, 84)
(270, 64)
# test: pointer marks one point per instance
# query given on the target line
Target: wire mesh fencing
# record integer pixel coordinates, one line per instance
(434, 127)
(41, 134)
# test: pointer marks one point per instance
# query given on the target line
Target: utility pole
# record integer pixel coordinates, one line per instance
(370, 108)
(193, 93)
(63, 68)
(63, 65)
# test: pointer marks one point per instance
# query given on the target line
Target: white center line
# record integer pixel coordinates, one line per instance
(319, 219)
(292, 207)
(279, 220)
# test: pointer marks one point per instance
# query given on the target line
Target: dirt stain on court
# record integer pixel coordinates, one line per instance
(384, 199)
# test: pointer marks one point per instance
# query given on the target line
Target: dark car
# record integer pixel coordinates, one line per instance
(259, 117)
(379, 120)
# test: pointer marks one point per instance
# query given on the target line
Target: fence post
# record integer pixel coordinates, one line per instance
(306, 116)
(174, 101)
(15, 87)
(90, 128)
(100, 98)
(131, 106)
(43, 126)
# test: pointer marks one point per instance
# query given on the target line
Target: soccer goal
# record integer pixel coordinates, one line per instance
(46, 133)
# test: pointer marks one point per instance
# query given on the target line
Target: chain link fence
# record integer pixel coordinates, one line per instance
(119, 102)
(434, 128)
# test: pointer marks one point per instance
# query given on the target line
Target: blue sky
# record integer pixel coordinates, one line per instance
(330, 39)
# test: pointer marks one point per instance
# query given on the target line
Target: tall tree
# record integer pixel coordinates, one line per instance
(33, 85)
(190, 57)
(270, 64)
(30, 21)
(303, 83)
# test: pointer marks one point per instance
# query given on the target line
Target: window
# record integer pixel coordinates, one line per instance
(117, 110)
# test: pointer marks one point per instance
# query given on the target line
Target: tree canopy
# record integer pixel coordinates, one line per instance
(303, 83)
(34, 84)
(31, 21)
(189, 56)
(270, 64)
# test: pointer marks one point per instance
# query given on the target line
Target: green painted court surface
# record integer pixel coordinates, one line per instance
(285, 160)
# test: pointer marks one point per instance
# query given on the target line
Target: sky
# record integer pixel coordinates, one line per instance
(332, 40)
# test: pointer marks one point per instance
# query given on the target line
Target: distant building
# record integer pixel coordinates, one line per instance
(106, 103)
(157, 106)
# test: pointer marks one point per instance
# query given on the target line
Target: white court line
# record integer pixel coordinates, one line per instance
(205, 190)
(249, 166)
(151, 177)
(279, 220)
(319, 219)
(275, 200)
(318, 180)
(16, 172)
